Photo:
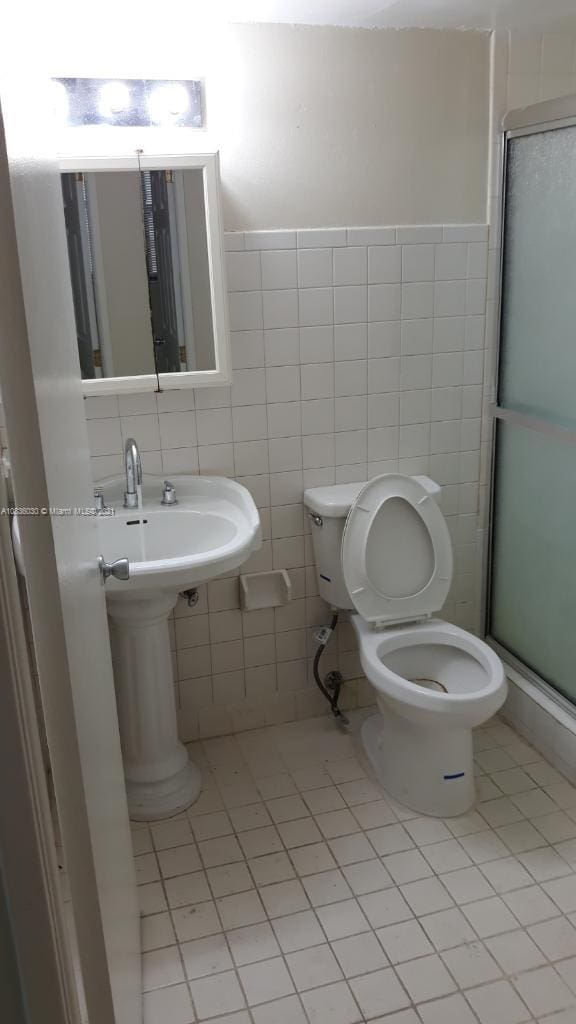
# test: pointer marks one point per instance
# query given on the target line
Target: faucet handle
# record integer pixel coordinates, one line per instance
(99, 503)
(169, 494)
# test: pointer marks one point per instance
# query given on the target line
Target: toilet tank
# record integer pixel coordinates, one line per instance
(328, 509)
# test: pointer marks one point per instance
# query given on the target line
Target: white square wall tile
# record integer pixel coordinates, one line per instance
(316, 306)
(247, 349)
(317, 344)
(282, 346)
(384, 302)
(413, 440)
(350, 341)
(450, 298)
(415, 372)
(317, 416)
(282, 385)
(317, 380)
(384, 264)
(214, 426)
(280, 308)
(350, 413)
(383, 410)
(350, 378)
(451, 261)
(383, 375)
(415, 407)
(416, 336)
(279, 269)
(314, 268)
(104, 436)
(245, 310)
(249, 422)
(417, 263)
(384, 339)
(284, 419)
(449, 334)
(417, 300)
(243, 271)
(350, 265)
(350, 304)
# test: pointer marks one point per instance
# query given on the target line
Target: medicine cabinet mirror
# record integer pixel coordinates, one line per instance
(145, 249)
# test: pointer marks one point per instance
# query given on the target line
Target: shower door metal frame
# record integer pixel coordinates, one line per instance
(549, 115)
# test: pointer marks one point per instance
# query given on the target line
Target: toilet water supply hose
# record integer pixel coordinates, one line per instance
(332, 684)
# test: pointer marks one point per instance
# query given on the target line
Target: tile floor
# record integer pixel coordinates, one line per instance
(296, 891)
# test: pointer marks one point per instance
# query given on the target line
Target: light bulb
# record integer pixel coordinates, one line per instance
(168, 102)
(114, 98)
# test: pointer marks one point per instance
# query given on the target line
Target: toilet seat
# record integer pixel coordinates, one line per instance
(396, 551)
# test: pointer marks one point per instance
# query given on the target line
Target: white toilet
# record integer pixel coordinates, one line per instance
(383, 549)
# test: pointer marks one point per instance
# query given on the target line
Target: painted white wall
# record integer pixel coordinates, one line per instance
(343, 126)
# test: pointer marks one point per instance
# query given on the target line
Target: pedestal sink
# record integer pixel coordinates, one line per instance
(211, 530)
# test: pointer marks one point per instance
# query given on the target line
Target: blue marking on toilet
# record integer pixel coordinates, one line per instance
(327, 578)
(455, 775)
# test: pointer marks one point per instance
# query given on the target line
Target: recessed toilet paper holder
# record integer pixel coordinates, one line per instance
(265, 589)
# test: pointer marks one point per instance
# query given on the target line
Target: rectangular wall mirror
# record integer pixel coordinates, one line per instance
(145, 249)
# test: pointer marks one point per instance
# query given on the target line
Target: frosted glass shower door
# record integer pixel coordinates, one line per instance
(532, 598)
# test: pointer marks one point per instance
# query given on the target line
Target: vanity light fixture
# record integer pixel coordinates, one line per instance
(136, 102)
(113, 99)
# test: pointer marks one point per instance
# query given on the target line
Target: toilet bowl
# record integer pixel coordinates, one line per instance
(433, 684)
(383, 551)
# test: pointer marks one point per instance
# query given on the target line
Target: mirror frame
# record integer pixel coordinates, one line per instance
(222, 375)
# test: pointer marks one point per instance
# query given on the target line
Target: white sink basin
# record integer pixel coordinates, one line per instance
(211, 531)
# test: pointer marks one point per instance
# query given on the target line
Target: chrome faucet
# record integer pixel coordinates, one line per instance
(133, 468)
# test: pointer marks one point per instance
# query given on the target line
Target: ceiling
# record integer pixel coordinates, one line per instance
(456, 14)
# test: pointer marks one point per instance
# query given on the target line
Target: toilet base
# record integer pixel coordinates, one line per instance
(428, 769)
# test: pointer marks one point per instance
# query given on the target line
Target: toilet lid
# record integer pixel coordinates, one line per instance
(396, 551)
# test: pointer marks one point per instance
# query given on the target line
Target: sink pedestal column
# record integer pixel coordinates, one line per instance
(160, 779)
